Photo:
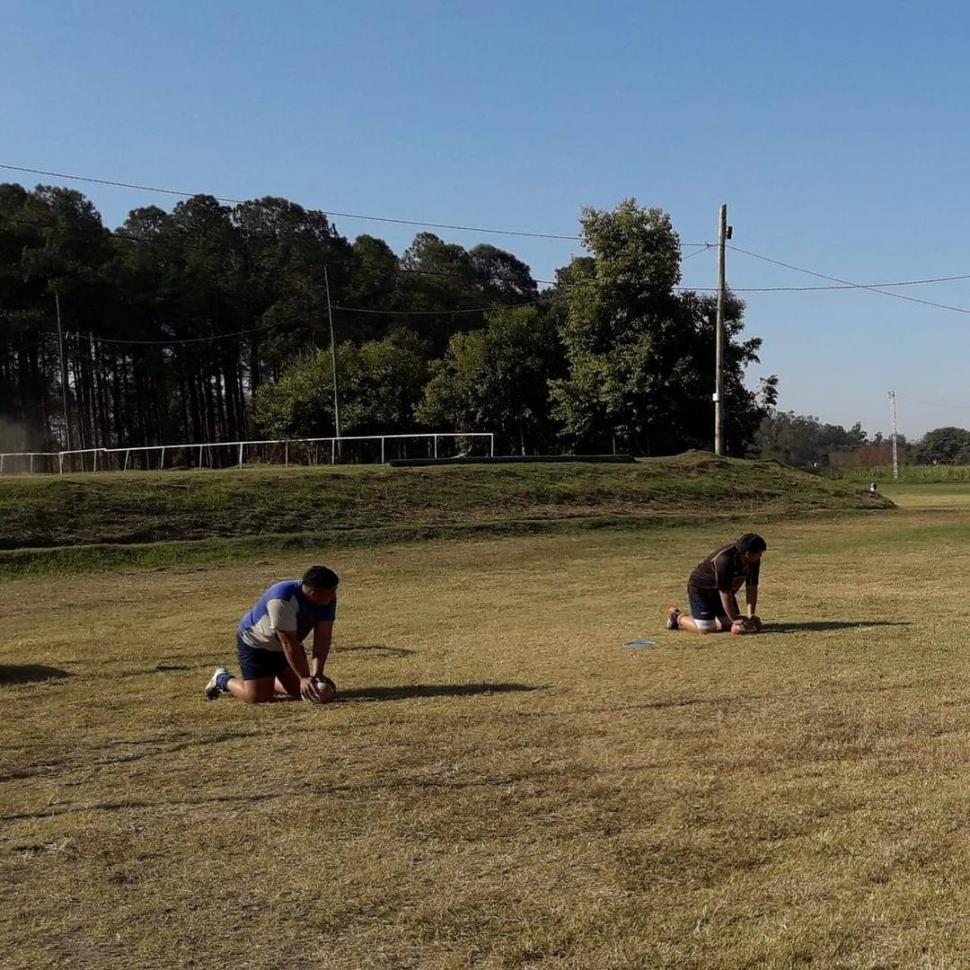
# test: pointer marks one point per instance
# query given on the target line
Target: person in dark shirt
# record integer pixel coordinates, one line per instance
(713, 585)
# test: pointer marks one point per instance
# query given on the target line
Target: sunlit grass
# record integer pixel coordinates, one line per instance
(503, 784)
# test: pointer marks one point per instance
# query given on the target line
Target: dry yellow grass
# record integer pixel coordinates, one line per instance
(503, 783)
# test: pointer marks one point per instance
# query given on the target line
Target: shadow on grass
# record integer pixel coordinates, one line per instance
(817, 625)
(29, 673)
(408, 691)
(379, 648)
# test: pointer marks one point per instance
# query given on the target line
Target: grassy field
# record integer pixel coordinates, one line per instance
(907, 473)
(503, 784)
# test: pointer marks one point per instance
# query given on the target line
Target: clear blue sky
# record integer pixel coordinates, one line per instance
(835, 132)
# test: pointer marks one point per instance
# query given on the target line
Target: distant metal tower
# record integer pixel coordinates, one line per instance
(724, 232)
(892, 408)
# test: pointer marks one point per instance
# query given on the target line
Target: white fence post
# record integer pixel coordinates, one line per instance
(240, 454)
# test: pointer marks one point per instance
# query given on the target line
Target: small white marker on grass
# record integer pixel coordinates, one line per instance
(639, 644)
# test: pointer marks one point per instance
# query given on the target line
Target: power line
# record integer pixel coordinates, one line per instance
(342, 215)
(439, 313)
(329, 212)
(704, 249)
(179, 340)
(173, 341)
(843, 286)
(849, 283)
(118, 233)
(698, 247)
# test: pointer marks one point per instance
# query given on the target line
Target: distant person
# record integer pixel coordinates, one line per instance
(270, 638)
(712, 587)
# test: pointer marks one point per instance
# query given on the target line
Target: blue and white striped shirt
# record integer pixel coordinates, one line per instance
(283, 607)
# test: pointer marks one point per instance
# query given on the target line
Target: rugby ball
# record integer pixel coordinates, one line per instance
(327, 689)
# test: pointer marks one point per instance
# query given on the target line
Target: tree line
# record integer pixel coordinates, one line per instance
(211, 323)
(803, 440)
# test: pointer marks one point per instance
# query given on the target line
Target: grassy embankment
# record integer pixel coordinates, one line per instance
(81, 522)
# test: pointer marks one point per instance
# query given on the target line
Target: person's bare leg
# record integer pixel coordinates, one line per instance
(690, 624)
(687, 623)
(259, 691)
(288, 683)
(683, 622)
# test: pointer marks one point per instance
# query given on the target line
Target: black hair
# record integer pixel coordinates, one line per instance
(751, 542)
(320, 577)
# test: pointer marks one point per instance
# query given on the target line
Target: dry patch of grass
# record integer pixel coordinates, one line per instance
(503, 784)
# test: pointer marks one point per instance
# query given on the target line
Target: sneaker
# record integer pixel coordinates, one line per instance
(212, 689)
(673, 617)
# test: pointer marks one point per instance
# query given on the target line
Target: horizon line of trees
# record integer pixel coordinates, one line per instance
(210, 322)
(803, 440)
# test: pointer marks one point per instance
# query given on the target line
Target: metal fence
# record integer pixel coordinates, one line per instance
(355, 449)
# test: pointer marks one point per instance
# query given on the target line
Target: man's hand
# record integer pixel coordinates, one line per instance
(310, 689)
(745, 624)
(321, 689)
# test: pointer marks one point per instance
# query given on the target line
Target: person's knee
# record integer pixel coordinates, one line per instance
(256, 694)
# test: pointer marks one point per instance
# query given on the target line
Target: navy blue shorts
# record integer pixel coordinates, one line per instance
(708, 606)
(256, 663)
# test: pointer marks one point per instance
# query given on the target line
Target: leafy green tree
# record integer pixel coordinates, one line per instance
(502, 277)
(641, 357)
(495, 379)
(943, 446)
(300, 403)
(445, 282)
(62, 251)
(379, 385)
(176, 321)
(288, 255)
(801, 439)
(386, 388)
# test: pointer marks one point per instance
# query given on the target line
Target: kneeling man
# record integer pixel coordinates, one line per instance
(270, 638)
(712, 587)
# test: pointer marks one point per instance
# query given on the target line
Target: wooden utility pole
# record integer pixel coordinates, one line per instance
(333, 355)
(60, 345)
(723, 234)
